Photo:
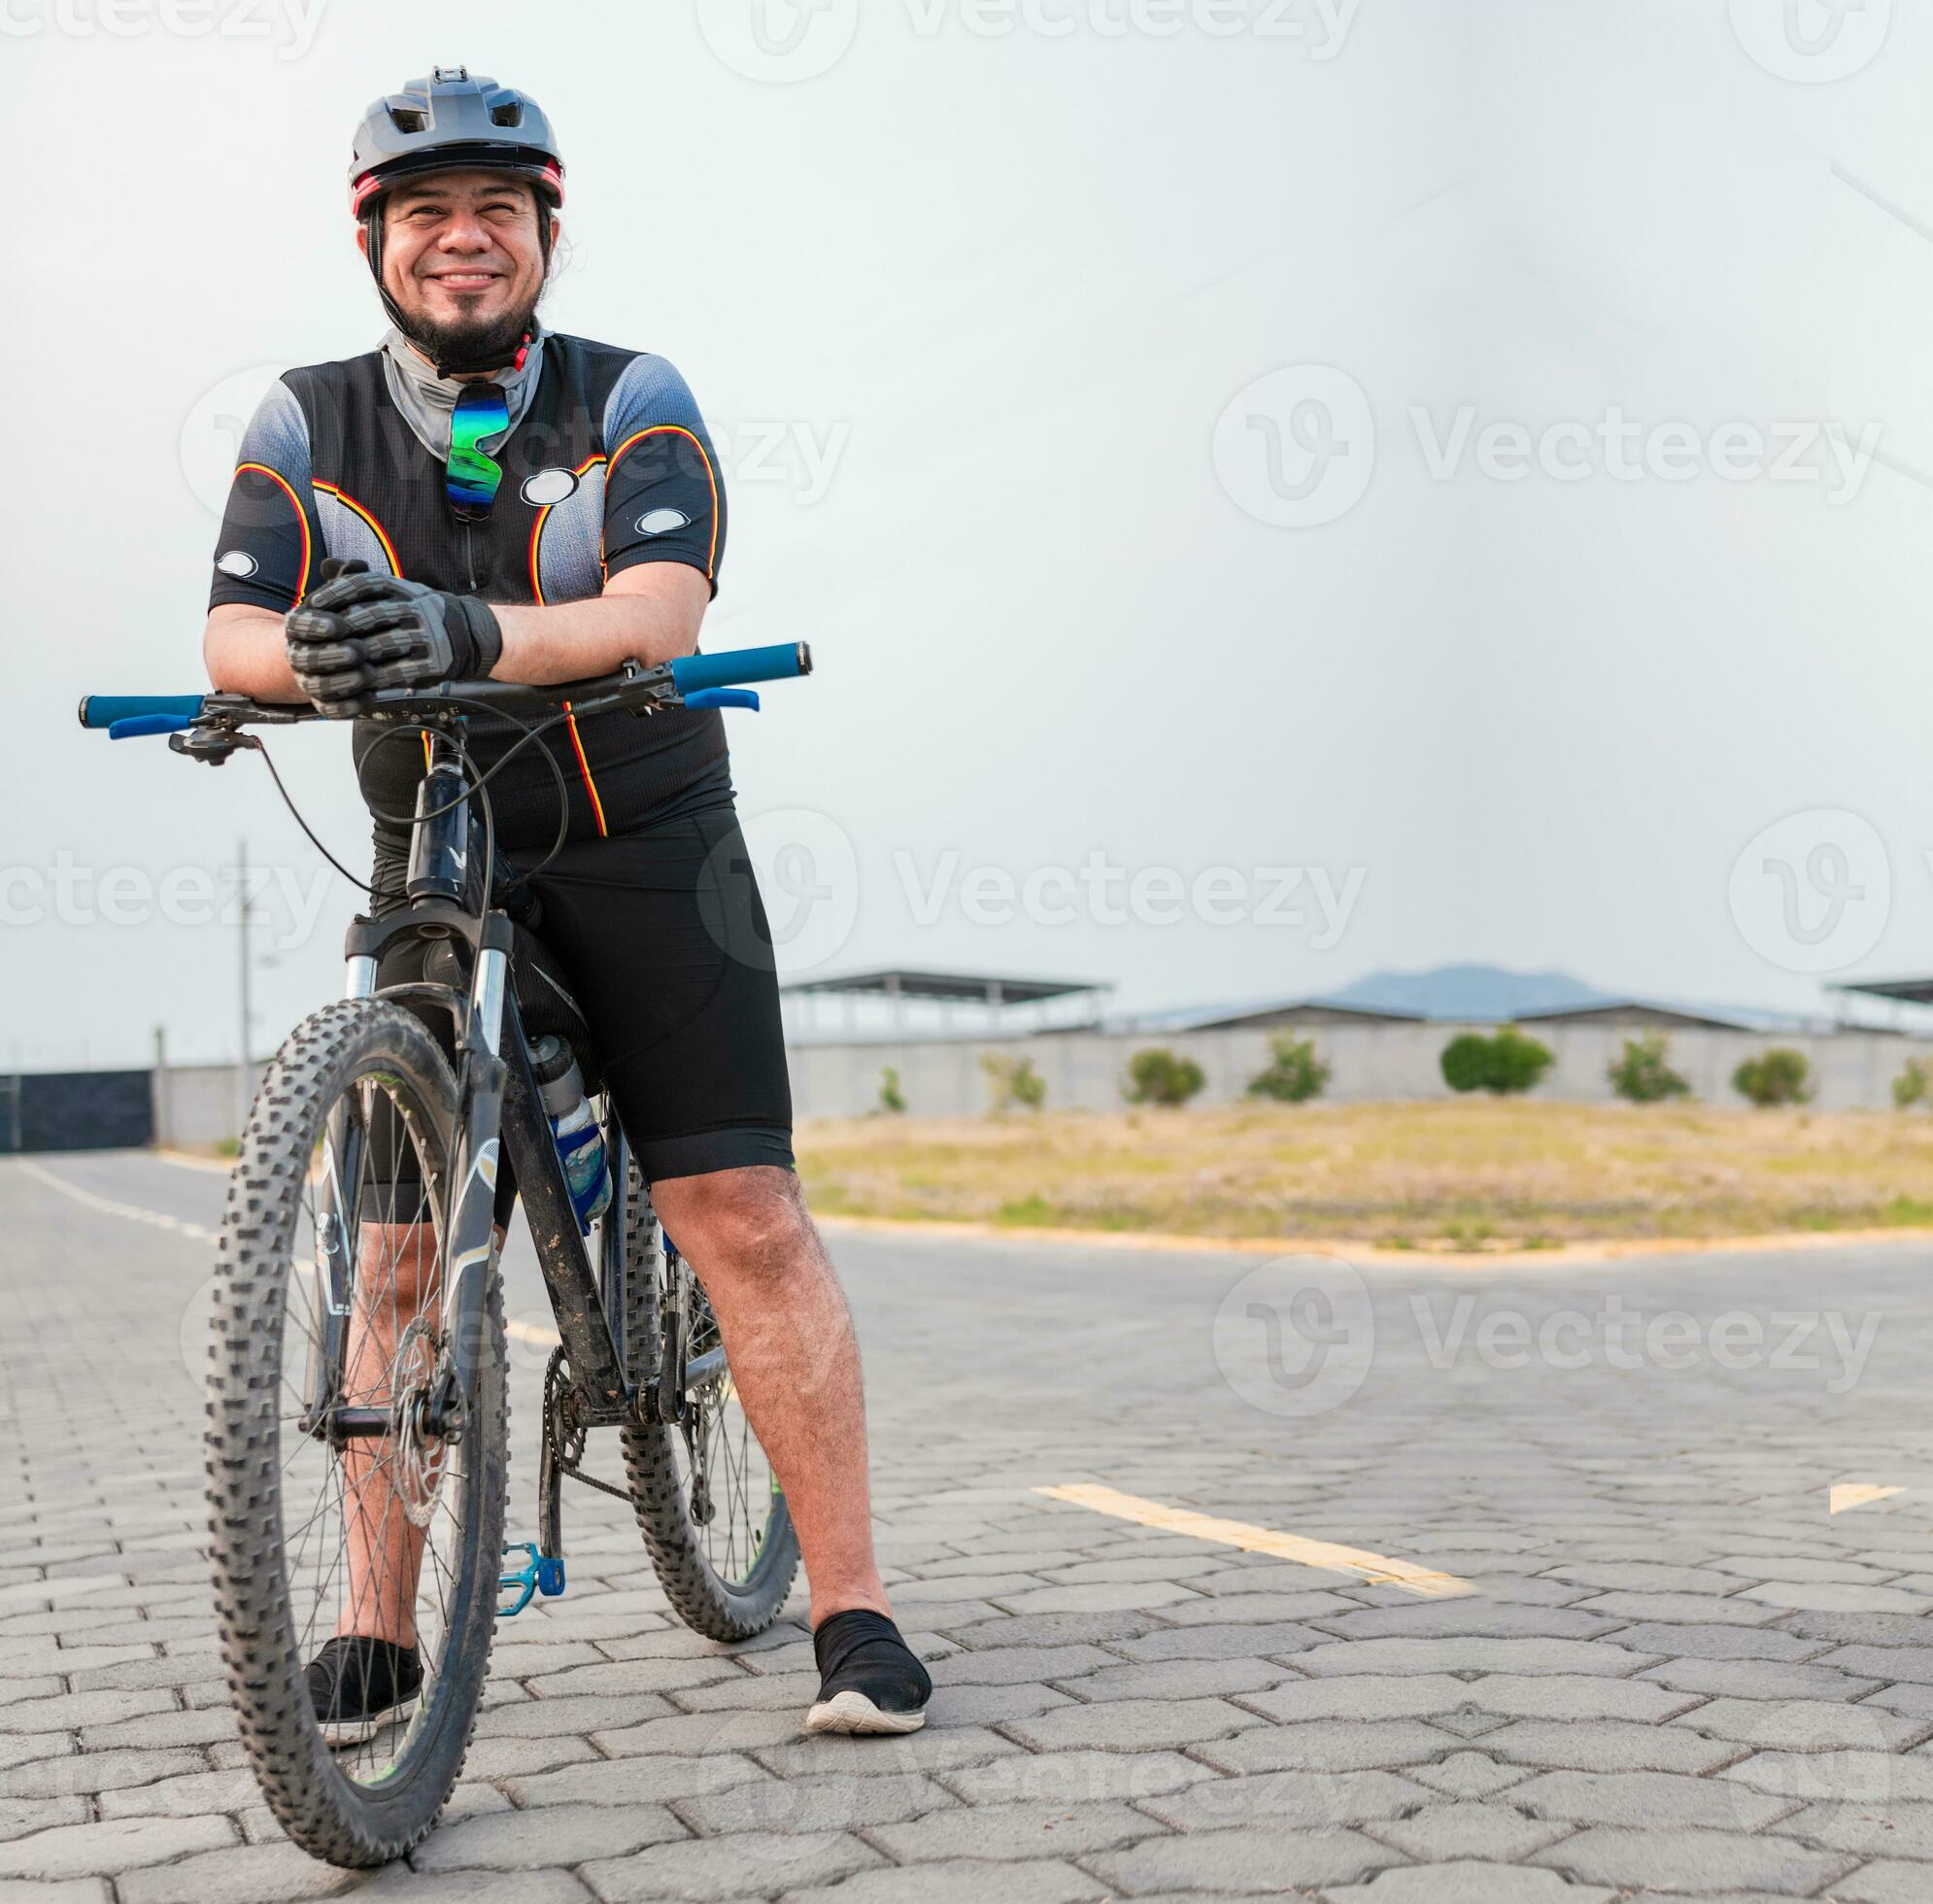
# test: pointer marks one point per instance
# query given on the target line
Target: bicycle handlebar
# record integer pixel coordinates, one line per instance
(742, 668)
(692, 680)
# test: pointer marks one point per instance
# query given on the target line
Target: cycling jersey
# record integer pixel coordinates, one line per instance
(607, 463)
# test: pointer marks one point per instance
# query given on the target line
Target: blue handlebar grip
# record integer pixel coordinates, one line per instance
(723, 698)
(776, 664)
(104, 710)
(136, 724)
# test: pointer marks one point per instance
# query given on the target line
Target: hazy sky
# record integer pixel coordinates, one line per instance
(1399, 479)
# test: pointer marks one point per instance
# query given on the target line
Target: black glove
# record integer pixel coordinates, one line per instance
(360, 632)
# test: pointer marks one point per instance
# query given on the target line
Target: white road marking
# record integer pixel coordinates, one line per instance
(1856, 1494)
(1374, 1569)
(194, 1232)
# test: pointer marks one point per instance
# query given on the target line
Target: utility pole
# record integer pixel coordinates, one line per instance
(244, 1076)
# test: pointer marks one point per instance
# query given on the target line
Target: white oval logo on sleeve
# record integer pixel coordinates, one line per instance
(549, 486)
(662, 522)
(237, 563)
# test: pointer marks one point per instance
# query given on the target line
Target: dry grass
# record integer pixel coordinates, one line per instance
(1462, 1175)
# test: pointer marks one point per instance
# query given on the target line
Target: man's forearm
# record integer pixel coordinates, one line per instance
(648, 614)
(245, 653)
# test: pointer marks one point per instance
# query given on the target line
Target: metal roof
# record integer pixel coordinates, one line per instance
(968, 988)
(1907, 991)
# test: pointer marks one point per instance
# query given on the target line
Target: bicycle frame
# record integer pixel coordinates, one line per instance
(500, 1112)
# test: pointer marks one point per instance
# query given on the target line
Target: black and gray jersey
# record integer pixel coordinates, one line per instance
(610, 466)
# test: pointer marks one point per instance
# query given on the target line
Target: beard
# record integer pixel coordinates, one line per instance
(482, 340)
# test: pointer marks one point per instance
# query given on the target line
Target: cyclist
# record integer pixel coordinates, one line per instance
(494, 498)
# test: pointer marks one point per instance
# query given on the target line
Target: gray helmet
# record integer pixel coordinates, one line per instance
(450, 122)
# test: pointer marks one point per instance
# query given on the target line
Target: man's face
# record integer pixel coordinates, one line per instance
(461, 255)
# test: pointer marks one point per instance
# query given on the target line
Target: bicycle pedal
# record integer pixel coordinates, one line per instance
(540, 1573)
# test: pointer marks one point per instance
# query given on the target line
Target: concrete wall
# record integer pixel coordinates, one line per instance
(1084, 1070)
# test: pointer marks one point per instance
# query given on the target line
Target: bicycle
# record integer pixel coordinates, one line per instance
(304, 1414)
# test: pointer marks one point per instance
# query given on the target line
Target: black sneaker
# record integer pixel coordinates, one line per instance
(870, 1680)
(359, 1685)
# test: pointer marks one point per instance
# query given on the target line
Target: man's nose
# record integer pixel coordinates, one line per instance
(462, 231)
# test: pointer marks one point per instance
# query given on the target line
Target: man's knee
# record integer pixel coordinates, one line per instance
(749, 1222)
(398, 1264)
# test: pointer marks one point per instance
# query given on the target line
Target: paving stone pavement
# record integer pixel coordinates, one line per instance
(1673, 1671)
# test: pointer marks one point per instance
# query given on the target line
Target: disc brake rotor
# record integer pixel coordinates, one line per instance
(418, 1460)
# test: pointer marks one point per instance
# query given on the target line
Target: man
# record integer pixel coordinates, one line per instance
(497, 499)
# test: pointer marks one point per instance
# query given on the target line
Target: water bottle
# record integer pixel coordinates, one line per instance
(580, 1142)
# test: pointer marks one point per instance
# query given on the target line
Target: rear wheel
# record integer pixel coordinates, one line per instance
(360, 1095)
(708, 1502)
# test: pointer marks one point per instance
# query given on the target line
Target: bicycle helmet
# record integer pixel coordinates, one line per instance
(449, 122)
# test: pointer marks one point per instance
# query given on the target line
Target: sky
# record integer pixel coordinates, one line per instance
(1276, 489)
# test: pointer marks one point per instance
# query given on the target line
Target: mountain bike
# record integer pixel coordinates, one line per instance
(357, 1389)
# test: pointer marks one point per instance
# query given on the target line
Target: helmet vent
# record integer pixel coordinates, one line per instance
(409, 120)
(510, 115)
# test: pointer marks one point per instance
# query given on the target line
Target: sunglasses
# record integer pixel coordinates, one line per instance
(471, 477)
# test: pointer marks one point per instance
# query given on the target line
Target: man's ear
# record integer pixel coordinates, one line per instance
(362, 239)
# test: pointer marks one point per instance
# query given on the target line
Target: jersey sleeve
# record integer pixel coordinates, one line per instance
(270, 547)
(663, 497)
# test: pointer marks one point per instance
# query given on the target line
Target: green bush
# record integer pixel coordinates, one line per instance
(1779, 1076)
(1295, 1073)
(1642, 1073)
(890, 1096)
(1013, 1082)
(1157, 1076)
(1909, 1086)
(1505, 1062)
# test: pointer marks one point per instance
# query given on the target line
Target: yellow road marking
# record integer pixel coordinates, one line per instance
(1856, 1494)
(1375, 1569)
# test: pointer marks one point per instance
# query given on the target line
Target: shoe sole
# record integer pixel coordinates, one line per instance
(855, 1713)
(359, 1731)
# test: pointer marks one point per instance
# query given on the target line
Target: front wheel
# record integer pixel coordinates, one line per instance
(328, 1308)
(708, 1502)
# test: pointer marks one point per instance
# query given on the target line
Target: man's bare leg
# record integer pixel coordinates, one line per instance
(794, 1362)
(396, 1278)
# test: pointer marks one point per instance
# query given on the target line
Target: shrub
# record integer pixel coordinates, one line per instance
(1466, 1062)
(1013, 1081)
(1909, 1086)
(1505, 1062)
(1157, 1076)
(1642, 1073)
(889, 1097)
(1295, 1073)
(1779, 1076)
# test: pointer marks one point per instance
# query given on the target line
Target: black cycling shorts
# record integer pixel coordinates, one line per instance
(663, 937)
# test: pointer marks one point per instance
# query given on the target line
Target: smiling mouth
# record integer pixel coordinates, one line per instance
(466, 281)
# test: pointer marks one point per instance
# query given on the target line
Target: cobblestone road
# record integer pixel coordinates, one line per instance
(1670, 1667)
